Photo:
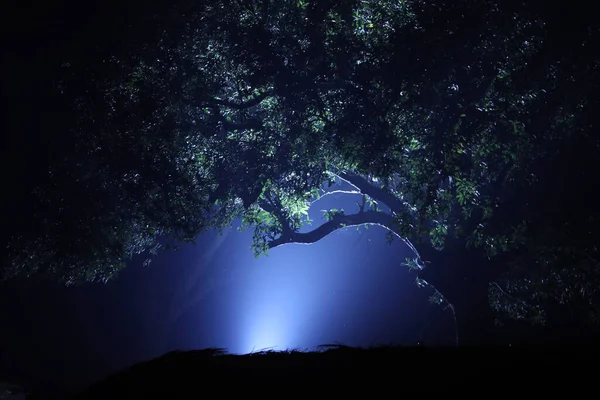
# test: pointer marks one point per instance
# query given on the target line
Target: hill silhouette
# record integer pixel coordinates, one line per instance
(346, 370)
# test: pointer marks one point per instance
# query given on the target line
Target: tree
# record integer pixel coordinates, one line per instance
(435, 115)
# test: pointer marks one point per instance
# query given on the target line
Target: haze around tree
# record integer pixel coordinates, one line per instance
(442, 119)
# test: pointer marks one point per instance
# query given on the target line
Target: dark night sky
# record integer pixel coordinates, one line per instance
(348, 288)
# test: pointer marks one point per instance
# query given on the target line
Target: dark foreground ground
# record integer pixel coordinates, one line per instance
(378, 372)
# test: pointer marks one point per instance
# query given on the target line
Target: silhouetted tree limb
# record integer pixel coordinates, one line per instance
(340, 221)
(335, 192)
(365, 187)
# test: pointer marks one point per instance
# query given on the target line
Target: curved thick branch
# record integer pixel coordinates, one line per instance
(334, 192)
(340, 221)
(374, 192)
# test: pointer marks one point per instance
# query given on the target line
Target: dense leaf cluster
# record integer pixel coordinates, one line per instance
(441, 114)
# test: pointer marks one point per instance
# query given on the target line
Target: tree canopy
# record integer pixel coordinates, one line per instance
(441, 117)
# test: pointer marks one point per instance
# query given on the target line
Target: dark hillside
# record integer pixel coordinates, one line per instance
(341, 370)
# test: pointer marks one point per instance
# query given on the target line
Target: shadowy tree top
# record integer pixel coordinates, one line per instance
(436, 114)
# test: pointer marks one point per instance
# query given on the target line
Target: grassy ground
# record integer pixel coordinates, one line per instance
(381, 371)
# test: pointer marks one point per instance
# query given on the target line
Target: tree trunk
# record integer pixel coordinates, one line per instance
(462, 277)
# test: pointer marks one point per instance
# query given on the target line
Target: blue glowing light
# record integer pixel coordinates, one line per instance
(268, 334)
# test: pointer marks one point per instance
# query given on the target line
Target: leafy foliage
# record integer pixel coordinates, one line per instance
(440, 114)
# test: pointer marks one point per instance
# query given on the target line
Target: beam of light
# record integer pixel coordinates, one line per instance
(278, 302)
(269, 316)
(298, 297)
(198, 284)
(269, 333)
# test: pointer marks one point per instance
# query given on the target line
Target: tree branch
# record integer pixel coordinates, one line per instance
(395, 204)
(334, 192)
(245, 104)
(271, 208)
(374, 192)
(361, 205)
(230, 126)
(506, 294)
(366, 218)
